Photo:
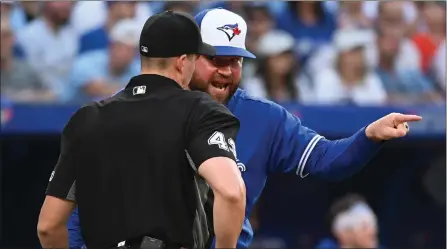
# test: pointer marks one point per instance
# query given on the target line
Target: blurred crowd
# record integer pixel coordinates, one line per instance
(364, 53)
(352, 222)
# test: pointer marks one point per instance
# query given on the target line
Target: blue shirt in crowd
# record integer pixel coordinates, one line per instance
(94, 65)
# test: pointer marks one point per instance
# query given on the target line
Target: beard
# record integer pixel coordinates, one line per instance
(221, 96)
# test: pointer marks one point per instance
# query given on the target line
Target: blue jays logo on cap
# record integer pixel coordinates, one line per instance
(230, 30)
(224, 30)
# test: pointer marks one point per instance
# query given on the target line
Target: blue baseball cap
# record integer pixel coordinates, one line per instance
(224, 30)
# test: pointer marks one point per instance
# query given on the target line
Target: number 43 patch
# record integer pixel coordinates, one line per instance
(218, 138)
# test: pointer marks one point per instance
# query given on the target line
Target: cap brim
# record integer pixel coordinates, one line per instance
(207, 49)
(233, 51)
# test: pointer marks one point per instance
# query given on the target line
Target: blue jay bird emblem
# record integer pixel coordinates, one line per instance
(230, 30)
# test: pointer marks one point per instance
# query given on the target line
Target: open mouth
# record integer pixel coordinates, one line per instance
(220, 86)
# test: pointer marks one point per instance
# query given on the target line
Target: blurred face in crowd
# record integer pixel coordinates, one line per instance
(187, 7)
(309, 10)
(7, 39)
(236, 6)
(122, 9)
(6, 8)
(352, 6)
(218, 76)
(362, 236)
(435, 16)
(280, 64)
(31, 7)
(259, 21)
(121, 55)
(351, 63)
(306, 4)
(391, 18)
(388, 45)
(59, 12)
(359, 232)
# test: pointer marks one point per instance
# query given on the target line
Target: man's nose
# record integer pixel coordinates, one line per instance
(224, 71)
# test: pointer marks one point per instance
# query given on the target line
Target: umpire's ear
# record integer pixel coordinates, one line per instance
(186, 64)
(181, 63)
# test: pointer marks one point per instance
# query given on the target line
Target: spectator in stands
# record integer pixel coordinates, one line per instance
(101, 73)
(260, 241)
(351, 15)
(239, 7)
(19, 82)
(353, 223)
(24, 13)
(439, 67)
(372, 10)
(234, 6)
(391, 20)
(403, 85)
(260, 21)
(278, 77)
(351, 80)
(391, 17)
(181, 6)
(90, 15)
(428, 41)
(50, 45)
(6, 7)
(98, 38)
(310, 23)
(8, 11)
(418, 24)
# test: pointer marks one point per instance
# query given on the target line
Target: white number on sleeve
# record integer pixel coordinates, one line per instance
(232, 147)
(218, 138)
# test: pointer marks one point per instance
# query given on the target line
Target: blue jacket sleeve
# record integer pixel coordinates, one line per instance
(74, 231)
(339, 159)
(296, 148)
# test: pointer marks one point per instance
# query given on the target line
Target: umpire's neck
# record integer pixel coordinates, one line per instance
(179, 68)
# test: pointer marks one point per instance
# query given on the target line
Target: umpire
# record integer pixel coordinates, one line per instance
(154, 165)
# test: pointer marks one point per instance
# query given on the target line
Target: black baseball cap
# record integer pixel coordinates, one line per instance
(171, 34)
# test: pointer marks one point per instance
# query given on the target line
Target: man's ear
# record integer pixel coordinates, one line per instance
(180, 62)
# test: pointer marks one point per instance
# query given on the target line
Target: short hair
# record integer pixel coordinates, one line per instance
(381, 6)
(344, 204)
(158, 63)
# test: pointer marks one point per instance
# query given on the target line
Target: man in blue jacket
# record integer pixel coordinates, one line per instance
(270, 139)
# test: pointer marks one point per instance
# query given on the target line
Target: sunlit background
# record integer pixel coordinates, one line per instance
(338, 65)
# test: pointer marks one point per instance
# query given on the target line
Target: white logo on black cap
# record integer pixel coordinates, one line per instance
(139, 90)
(144, 49)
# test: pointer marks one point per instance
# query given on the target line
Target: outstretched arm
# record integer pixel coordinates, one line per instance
(299, 149)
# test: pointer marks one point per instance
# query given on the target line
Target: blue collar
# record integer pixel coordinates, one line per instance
(231, 105)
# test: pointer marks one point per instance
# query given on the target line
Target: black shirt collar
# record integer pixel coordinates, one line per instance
(152, 82)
